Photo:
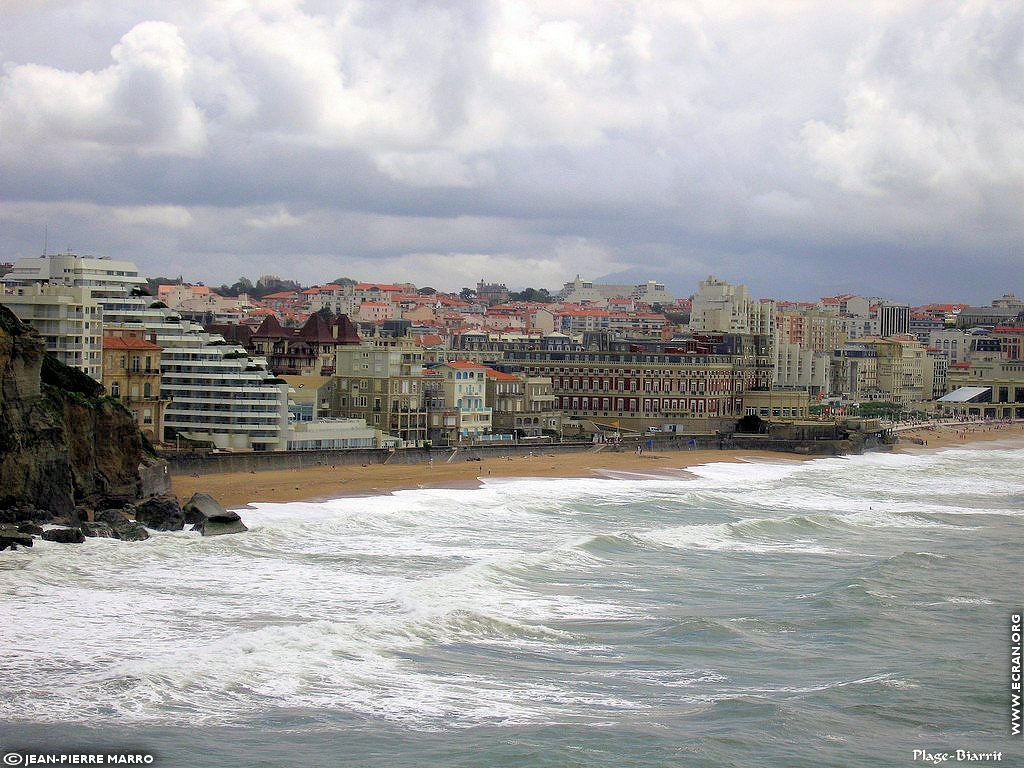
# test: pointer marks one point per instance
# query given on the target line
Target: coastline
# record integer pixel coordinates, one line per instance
(238, 489)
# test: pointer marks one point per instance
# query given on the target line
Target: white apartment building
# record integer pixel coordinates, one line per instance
(220, 394)
(465, 390)
(956, 343)
(69, 319)
(719, 307)
(797, 366)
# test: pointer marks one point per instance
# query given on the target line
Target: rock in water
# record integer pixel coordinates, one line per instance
(211, 519)
(161, 513)
(97, 530)
(123, 528)
(12, 538)
(65, 535)
(200, 507)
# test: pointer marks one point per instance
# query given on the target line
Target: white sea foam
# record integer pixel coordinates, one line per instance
(498, 605)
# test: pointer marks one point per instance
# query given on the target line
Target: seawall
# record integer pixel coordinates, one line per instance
(220, 463)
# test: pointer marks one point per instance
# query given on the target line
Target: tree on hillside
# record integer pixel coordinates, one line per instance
(266, 285)
(532, 294)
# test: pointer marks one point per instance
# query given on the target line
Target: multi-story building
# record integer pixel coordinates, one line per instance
(131, 373)
(522, 405)
(893, 319)
(953, 341)
(819, 330)
(719, 307)
(491, 293)
(68, 318)
(693, 385)
(306, 351)
(338, 299)
(985, 387)
(506, 393)
(936, 371)
(465, 390)
(798, 367)
(581, 291)
(854, 373)
(900, 369)
(384, 386)
(105, 277)
(219, 393)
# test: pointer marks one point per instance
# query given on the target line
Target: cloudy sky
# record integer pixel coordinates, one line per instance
(801, 148)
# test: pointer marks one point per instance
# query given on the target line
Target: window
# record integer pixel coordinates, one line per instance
(115, 390)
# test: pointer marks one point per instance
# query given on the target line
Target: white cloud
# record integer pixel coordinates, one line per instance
(139, 103)
(543, 137)
(167, 216)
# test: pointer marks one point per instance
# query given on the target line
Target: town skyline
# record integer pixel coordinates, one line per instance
(799, 149)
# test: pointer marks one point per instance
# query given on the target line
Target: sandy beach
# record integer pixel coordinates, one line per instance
(236, 490)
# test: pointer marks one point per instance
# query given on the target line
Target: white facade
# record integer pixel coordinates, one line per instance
(719, 307)
(104, 277)
(219, 392)
(69, 319)
(336, 433)
(799, 367)
(954, 342)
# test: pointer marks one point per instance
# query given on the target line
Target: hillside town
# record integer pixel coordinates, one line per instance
(276, 366)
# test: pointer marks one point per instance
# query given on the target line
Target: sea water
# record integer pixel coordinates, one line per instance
(834, 612)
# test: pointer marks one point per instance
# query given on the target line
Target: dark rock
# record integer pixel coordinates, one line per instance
(30, 528)
(62, 444)
(97, 530)
(161, 513)
(210, 518)
(221, 525)
(65, 535)
(112, 517)
(200, 507)
(124, 528)
(12, 538)
(131, 531)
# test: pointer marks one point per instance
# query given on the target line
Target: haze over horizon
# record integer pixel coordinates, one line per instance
(801, 150)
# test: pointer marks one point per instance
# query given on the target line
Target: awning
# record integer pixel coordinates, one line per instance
(968, 395)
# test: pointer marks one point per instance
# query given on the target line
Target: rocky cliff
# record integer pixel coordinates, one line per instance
(63, 445)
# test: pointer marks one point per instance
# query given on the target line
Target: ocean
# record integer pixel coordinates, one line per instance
(833, 612)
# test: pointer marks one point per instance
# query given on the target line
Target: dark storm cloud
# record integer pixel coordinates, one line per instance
(868, 147)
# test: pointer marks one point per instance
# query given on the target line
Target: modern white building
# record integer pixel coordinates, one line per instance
(796, 366)
(69, 319)
(337, 433)
(719, 307)
(219, 393)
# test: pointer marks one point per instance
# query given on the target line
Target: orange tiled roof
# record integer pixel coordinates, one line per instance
(129, 343)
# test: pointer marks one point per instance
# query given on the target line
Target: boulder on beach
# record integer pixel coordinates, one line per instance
(210, 518)
(161, 513)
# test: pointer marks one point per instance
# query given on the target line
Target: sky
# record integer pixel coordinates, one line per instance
(803, 149)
